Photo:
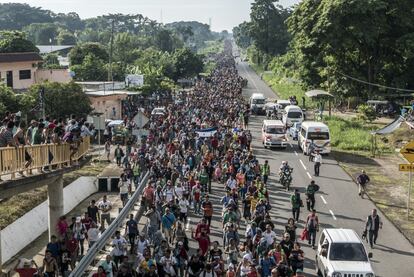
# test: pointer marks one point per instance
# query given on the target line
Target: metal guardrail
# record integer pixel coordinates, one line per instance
(13, 159)
(98, 245)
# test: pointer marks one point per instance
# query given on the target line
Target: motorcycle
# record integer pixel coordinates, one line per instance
(286, 178)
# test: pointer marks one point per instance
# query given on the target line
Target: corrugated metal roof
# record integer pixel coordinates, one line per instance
(20, 57)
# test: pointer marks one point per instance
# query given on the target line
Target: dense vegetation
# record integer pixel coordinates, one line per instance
(329, 44)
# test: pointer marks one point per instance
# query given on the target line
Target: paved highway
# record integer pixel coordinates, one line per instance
(337, 203)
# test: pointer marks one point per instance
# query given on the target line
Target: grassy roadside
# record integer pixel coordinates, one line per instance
(283, 87)
(388, 188)
(16, 206)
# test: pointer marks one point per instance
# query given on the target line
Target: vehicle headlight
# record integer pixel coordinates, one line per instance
(336, 274)
(370, 275)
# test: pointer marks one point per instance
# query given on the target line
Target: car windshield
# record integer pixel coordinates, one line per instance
(295, 114)
(275, 130)
(259, 101)
(348, 252)
(318, 135)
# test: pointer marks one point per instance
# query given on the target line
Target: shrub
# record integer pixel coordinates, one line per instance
(366, 113)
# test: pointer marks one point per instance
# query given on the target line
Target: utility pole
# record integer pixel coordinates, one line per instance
(110, 76)
(42, 101)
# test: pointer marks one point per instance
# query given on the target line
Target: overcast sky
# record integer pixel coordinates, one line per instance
(224, 14)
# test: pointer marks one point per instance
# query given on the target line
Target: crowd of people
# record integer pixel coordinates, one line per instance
(15, 133)
(202, 139)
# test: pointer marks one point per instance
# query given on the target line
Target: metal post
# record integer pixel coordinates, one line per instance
(409, 191)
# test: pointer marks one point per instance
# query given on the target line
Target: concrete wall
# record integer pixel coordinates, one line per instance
(16, 67)
(104, 104)
(30, 226)
(52, 75)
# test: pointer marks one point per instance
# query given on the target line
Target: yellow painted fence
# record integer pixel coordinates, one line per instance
(14, 159)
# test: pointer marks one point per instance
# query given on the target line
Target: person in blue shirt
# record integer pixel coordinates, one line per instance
(168, 221)
(267, 263)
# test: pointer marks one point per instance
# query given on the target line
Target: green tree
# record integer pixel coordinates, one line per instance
(62, 100)
(241, 34)
(9, 101)
(80, 52)
(71, 21)
(42, 33)
(15, 16)
(187, 64)
(92, 68)
(367, 40)
(268, 28)
(14, 41)
(66, 38)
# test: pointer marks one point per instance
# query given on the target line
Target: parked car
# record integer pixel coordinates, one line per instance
(294, 130)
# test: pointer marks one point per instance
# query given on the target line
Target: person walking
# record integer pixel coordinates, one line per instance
(317, 159)
(119, 153)
(296, 203)
(311, 189)
(265, 170)
(372, 226)
(168, 222)
(312, 225)
(105, 207)
(362, 180)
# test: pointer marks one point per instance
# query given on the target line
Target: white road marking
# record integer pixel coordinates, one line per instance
(333, 215)
(310, 177)
(296, 153)
(290, 144)
(303, 165)
(323, 199)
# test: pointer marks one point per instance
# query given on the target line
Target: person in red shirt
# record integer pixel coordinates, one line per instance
(203, 242)
(202, 226)
(72, 246)
(27, 270)
(100, 273)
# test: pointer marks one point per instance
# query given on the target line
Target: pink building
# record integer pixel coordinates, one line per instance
(21, 70)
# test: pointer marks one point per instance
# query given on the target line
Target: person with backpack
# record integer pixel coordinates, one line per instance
(372, 226)
(312, 226)
(311, 189)
(362, 180)
(296, 203)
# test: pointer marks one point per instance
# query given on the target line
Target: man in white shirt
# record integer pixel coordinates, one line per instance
(183, 204)
(169, 193)
(179, 191)
(317, 159)
(105, 207)
(142, 244)
(231, 183)
(119, 244)
(93, 234)
(269, 235)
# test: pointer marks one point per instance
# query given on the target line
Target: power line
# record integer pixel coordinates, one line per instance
(374, 84)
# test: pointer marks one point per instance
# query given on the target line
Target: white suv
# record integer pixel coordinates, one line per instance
(341, 253)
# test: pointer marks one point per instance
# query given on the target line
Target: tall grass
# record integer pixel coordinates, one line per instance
(353, 135)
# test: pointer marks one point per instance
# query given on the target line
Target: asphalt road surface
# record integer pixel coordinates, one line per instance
(337, 203)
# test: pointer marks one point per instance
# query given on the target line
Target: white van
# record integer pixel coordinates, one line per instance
(341, 253)
(257, 102)
(292, 114)
(317, 132)
(274, 134)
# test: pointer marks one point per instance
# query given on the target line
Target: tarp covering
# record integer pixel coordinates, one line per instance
(390, 127)
(317, 93)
